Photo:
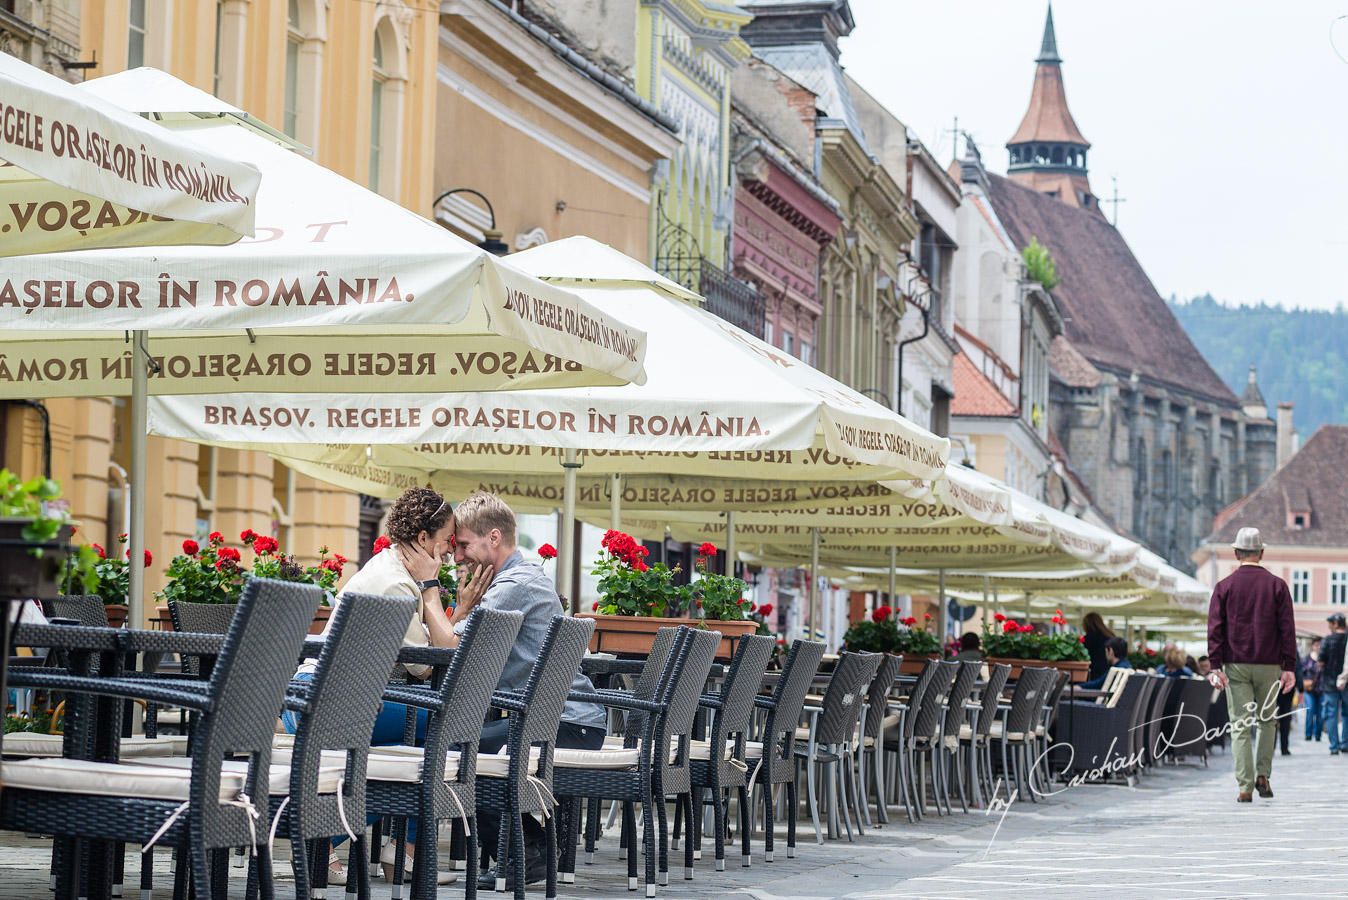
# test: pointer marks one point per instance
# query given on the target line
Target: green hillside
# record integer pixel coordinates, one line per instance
(1299, 353)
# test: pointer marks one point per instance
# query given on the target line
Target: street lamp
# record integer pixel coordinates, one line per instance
(491, 238)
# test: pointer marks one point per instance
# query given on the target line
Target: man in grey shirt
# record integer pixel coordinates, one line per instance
(484, 537)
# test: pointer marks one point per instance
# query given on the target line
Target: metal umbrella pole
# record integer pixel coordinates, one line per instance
(615, 502)
(893, 575)
(730, 543)
(566, 550)
(814, 582)
(135, 600)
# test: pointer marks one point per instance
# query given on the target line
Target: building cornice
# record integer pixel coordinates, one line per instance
(868, 180)
(713, 27)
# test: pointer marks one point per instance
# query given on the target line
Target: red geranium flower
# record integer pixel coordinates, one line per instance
(190, 547)
(1151, 652)
(765, 610)
(98, 548)
(341, 560)
(910, 621)
(121, 538)
(595, 606)
(1082, 639)
(999, 618)
(215, 538)
(881, 613)
(707, 549)
(228, 553)
(547, 551)
(248, 535)
(1009, 627)
(926, 615)
(381, 544)
(264, 544)
(641, 566)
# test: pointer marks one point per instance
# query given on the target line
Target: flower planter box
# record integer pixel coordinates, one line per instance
(321, 616)
(25, 576)
(117, 614)
(635, 634)
(1078, 669)
(913, 663)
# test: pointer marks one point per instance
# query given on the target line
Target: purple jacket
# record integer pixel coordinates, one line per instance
(1250, 620)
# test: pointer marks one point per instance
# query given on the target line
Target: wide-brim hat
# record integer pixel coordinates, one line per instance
(1248, 539)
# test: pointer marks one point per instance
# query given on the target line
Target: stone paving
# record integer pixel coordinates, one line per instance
(1179, 833)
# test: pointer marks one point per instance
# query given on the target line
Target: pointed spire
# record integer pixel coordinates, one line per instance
(1048, 50)
(1252, 401)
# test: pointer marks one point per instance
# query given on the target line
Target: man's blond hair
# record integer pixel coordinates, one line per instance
(481, 511)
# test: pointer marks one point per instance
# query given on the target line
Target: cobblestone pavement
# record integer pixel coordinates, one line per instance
(1179, 833)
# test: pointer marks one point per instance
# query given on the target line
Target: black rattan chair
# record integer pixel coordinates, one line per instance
(535, 714)
(1016, 730)
(197, 810)
(776, 761)
(726, 767)
(434, 783)
(955, 718)
(200, 618)
(976, 735)
(87, 609)
(878, 719)
(928, 723)
(900, 745)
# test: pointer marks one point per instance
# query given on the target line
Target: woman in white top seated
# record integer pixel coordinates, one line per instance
(420, 528)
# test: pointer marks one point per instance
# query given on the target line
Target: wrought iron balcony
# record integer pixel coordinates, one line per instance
(738, 302)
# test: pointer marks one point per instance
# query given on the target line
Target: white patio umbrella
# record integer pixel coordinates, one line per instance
(79, 172)
(717, 402)
(340, 291)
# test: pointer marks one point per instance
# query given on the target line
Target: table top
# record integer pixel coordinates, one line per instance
(607, 665)
(116, 640)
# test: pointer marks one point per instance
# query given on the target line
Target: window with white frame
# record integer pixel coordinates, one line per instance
(788, 342)
(135, 37)
(377, 112)
(1301, 586)
(805, 352)
(294, 40)
(1338, 588)
(219, 28)
(767, 334)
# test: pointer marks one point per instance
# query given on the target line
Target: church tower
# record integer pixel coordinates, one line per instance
(1048, 151)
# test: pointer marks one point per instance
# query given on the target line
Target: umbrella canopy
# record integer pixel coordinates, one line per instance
(716, 402)
(80, 172)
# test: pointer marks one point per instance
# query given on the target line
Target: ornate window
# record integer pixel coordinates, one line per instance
(294, 41)
(388, 78)
(1338, 588)
(1301, 586)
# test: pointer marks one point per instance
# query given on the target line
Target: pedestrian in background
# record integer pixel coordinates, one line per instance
(1311, 690)
(1253, 651)
(1332, 694)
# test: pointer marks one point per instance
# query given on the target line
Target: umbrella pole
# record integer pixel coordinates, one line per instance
(1028, 595)
(730, 543)
(941, 623)
(566, 553)
(893, 574)
(139, 425)
(985, 600)
(615, 502)
(814, 582)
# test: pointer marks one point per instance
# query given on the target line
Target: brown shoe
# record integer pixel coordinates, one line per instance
(1244, 798)
(1261, 785)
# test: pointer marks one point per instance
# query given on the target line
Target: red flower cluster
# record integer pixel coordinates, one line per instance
(547, 551)
(248, 535)
(1058, 620)
(148, 558)
(264, 544)
(624, 547)
(98, 548)
(382, 543)
(227, 554)
(881, 613)
(1081, 639)
(707, 549)
(1013, 628)
(926, 615)
(333, 564)
(191, 548)
(765, 610)
(1150, 652)
(999, 618)
(910, 621)
(215, 537)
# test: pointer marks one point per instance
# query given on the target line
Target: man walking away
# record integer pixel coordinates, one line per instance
(1311, 690)
(1252, 648)
(1331, 669)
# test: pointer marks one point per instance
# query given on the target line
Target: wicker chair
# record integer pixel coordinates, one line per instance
(976, 735)
(660, 764)
(436, 782)
(956, 714)
(928, 721)
(830, 745)
(1016, 730)
(774, 757)
(199, 810)
(1102, 730)
(1186, 728)
(728, 769)
(535, 714)
(878, 719)
(200, 618)
(87, 609)
(899, 745)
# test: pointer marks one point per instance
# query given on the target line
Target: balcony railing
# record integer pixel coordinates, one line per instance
(738, 302)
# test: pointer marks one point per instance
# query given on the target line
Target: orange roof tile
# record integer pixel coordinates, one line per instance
(975, 394)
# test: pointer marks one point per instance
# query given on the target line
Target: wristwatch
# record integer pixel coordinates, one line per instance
(429, 583)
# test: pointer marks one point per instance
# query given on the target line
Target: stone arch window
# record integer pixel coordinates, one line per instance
(302, 100)
(1058, 155)
(387, 87)
(1041, 154)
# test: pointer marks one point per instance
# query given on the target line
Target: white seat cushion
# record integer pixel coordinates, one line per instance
(278, 775)
(132, 779)
(890, 721)
(966, 733)
(404, 764)
(605, 758)
(49, 745)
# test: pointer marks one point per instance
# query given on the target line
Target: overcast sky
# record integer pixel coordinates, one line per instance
(1225, 122)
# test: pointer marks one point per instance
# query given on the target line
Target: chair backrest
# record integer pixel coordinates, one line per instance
(789, 698)
(960, 691)
(1054, 697)
(1028, 699)
(847, 690)
(247, 686)
(200, 618)
(930, 669)
(930, 714)
(992, 696)
(546, 691)
(688, 681)
(347, 690)
(465, 691)
(87, 609)
(877, 698)
(742, 683)
(634, 721)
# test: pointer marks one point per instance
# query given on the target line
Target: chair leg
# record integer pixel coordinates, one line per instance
(550, 827)
(792, 809)
(662, 816)
(630, 834)
(678, 822)
(879, 776)
(591, 828)
(813, 798)
(719, 822)
(768, 821)
(201, 865)
(959, 779)
(470, 860)
(692, 804)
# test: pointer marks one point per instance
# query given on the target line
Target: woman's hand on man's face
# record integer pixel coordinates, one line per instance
(471, 590)
(422, 563)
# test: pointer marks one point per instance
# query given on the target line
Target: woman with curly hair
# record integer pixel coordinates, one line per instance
(420, 527)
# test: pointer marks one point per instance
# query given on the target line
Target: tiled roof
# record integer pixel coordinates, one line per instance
(1113, 315)
(1314, 479)
(1048, 118)
(975, 394)
(1069, 365)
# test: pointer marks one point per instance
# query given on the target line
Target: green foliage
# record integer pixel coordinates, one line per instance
(1040, 264)
(1008, 640)
(719, 597)
(1299, 354)
(885, 633)
(29, 500)
(211, 575)
(38, 722)
(629, 586)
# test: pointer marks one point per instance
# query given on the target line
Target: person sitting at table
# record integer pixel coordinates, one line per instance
(1116, 654)
(1096, 633)
(485, 537)
(969, 648)
(420, 526)
(1203, 668)
(1176, 666)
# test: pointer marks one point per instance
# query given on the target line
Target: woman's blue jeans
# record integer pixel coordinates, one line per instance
(388, 731)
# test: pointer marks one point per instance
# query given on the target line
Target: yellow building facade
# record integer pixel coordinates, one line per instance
(353, 81)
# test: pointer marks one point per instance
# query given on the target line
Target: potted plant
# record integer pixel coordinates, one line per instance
(720, 601)
(34, 537)
(108, 576)
(885, 632)
(634, 597)
(1144, 658)
(1023, 645)
(270, 561)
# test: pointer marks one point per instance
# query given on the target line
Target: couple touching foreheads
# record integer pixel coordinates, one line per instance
(422, 531)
